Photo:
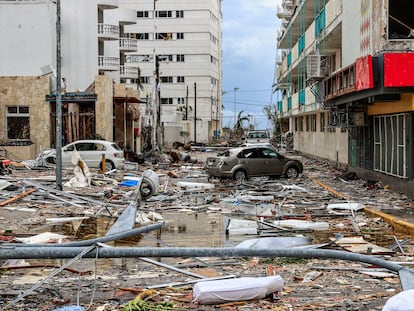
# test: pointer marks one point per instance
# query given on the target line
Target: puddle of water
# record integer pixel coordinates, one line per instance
(181, 229)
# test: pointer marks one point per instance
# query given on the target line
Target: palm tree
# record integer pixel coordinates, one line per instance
(239, 127)
(271, 113)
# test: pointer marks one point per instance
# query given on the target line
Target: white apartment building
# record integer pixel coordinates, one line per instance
(122, 40)
(29, 49)
(183, 40)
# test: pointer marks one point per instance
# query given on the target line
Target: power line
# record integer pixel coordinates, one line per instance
(246, 104)
(247, 91)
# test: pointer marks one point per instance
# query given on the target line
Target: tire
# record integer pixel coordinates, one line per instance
(240, 175)
(109, 165)
(50, 161)
(292, 172)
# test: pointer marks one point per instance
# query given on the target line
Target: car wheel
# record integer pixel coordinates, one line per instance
(109, 166)
(50, 161)
(292, 172)
(240, 175)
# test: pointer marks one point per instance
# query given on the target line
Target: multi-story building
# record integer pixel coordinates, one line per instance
(346, 82)
(179, 61)
(94, 104)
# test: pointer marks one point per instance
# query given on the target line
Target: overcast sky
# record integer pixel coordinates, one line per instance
(249, 49)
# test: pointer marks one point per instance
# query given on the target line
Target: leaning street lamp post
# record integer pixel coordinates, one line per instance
(235, 95)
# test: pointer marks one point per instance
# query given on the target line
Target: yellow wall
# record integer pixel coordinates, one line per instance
(404, 105)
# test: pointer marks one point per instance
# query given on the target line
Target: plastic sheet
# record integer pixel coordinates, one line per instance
(221, 291)
(403, 301)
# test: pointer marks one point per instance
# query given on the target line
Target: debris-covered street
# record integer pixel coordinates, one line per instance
(324, 209)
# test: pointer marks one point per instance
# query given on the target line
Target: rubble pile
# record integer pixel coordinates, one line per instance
(172, 205)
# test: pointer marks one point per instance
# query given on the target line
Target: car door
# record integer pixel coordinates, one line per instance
(271, 163)
(91, 153)
(67, 152)
(250, 161)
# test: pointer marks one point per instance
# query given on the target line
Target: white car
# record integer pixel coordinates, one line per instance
(91, 152)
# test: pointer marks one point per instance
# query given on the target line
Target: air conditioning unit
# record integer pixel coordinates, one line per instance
(316, 66)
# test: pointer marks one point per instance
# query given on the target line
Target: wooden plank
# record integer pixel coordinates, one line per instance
(17, 197)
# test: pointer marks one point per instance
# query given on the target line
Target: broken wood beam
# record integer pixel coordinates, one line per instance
(17, 197)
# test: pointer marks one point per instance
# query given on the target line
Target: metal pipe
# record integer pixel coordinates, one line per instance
(27, 252)
(106, 238)
(12, 252)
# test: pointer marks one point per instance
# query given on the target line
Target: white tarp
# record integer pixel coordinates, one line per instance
(248, 288)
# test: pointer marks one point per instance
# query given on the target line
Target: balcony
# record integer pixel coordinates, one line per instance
(288, 4)
(127, 16)
(284, 13)
(128, 44)
(108, 32)
(107, 4)
(128, 72)
(108, 63)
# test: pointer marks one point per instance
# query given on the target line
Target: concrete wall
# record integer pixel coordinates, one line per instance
(351, 31)
(27, 91)
(27, 33)
(79, 43)
(104, 107)
(332, 146)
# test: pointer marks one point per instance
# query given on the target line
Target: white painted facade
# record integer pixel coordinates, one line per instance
(99, 37)
(191, 60)
(27, 46)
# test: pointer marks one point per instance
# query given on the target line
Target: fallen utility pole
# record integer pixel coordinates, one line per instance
(406, 275)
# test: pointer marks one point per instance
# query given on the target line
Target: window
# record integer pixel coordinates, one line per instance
(322, 122)
(166, 79)
(400, 19)
(179, 14)
(165, 58)
(142, 14)
(180, 101)
(313, 123)
(213, 39)
(250, 153)
(146, 80)
(163, 35)
(213, 60)
(140, 36)
(166, 101)
(267, 153)
(138, 58)
(180, 35)
(163, 14)
(18, 122)
(180, 79)
(390, 144)
(300, 124)
(180, 58)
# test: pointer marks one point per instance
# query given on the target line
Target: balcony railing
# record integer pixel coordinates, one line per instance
(108, 31)
(108, 63)
(128, 72)
(128, 44)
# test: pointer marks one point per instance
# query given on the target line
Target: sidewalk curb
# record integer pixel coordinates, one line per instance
(397, 223)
